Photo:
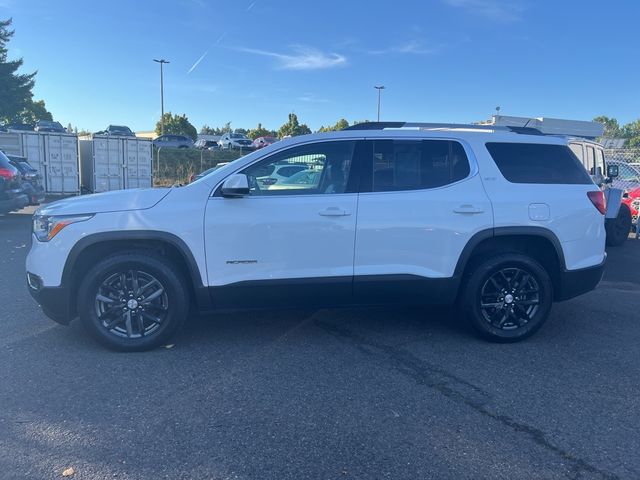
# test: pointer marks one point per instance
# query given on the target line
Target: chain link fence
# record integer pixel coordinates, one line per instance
(628, 155)
(179, 165)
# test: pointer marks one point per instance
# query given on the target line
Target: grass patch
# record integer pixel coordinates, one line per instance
(176, 165)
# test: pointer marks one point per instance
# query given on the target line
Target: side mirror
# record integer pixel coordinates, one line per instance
(235, 186)
(612, 171)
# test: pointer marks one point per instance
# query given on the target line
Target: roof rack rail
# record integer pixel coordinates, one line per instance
(443, 126)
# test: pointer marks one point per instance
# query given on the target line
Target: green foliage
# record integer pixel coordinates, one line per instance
(176, 165)
(177, 125)
(207, 130)
(611, 126)
(293, 127)
(32, 112)
(612, 129)
(15, 88)
(260, 131)
(340, 125)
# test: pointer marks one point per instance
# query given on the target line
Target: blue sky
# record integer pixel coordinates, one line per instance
(249, 61)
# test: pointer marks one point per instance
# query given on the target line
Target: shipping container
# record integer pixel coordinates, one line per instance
(54, 155)
(114, 163)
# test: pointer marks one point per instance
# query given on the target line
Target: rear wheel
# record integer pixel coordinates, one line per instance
(132, 301)
(508, 297)
(618, 228)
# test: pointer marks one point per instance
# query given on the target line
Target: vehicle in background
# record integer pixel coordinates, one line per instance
(305, 179)
(235, 140)
(117, 131)
(262, 142)
(591, 155)
(203, 144)
(11, 195)
(173, 141)
(26, 127)
(275, 174)
(31, 184)
(49, 126)
(195, 177)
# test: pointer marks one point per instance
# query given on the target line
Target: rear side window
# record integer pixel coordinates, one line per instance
(538, 163)
(416, 165)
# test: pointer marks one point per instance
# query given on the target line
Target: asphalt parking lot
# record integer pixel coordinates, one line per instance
(328, 394)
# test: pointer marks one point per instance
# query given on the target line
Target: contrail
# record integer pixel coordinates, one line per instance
(193, 67)
(250, 6)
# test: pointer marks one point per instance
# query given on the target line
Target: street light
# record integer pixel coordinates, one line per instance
(162, 61)
(380, 88)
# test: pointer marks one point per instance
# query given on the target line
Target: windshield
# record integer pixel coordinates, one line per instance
(238, 135)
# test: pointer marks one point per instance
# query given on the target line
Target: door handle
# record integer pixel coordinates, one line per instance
(468, 209)
(334, 212)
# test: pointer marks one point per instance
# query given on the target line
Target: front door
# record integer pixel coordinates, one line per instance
(290, 241)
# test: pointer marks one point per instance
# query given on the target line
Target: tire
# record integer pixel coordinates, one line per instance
(618, 228)
(507, 282)
(125, 322)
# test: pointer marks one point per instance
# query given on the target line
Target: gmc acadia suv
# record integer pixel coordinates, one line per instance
(500, 221)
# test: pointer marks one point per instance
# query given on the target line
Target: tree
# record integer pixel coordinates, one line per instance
(32, 112)
(611, 126)
(293, 128)
(177, 125)
(340, 125)
(15, 88)
(260, 131)
(207, 130)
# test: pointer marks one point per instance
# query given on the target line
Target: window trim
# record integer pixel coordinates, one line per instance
(471, 158)
(356, 169)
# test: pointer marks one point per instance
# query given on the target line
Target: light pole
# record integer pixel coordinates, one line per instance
(162, 61)
(379, 88)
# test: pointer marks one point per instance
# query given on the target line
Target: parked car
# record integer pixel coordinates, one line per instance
(117, 131)
(273, 174)
(235, 140)
(11, 195)
(31, 184)
(262, 142)
(203, 144)
(27, 127)
(500, 223)
(304, 179)
(49, 126)
(173, 141)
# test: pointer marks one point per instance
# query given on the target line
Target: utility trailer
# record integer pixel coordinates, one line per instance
(54, 155)
(109, 162)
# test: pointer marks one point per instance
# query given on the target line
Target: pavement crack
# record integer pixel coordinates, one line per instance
(458, 390)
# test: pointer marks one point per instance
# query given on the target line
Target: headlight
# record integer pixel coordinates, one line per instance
(45, 227)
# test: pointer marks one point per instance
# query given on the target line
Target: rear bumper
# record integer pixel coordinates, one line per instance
(578, 282)
(54, 301)
(15, 203)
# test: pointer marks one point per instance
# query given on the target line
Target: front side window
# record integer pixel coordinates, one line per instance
(416, 165)
(319, 168)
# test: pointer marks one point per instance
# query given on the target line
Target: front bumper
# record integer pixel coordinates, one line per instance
(578, 282)
(54, 301)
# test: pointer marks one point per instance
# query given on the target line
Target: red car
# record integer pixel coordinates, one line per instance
(632, 200)
(262, 142)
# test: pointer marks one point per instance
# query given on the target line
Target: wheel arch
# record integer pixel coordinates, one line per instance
(537, 242)
(96, 246)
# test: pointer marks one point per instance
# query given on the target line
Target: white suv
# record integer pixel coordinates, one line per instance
(500, 221)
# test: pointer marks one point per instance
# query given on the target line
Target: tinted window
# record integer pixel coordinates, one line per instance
(415, 165)
(326, 166)
(538, 163)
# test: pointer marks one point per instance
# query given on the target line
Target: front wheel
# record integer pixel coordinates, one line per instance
(508, 297)
(132, 301)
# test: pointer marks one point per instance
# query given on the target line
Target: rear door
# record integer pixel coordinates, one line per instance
(420, 203)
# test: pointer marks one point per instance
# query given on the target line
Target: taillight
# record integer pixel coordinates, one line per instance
(6, 173)
(597, 198)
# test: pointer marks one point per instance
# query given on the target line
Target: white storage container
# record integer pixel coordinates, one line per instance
(113, 163)
(54, 155)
